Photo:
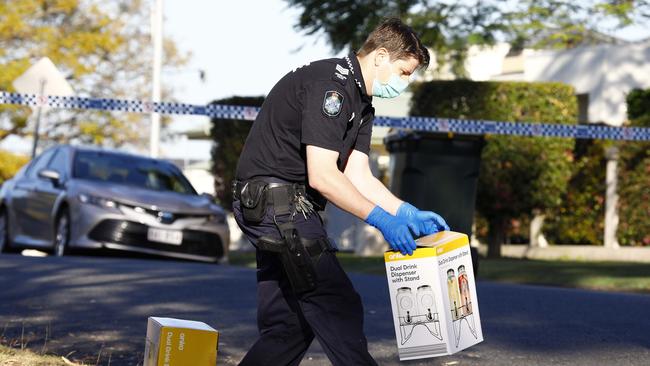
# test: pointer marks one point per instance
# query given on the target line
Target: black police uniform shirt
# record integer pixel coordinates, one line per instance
(324, 104)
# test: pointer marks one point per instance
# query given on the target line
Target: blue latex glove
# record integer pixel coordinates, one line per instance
(395, 230)
(421, 222)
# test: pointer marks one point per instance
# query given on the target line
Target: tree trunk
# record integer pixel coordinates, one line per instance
(496, 236)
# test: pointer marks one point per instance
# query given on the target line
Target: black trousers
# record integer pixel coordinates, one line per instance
(288, 323)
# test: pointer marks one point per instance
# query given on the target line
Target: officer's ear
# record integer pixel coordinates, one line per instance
(381, 56)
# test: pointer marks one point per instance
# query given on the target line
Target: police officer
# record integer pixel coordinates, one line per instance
(309, 145)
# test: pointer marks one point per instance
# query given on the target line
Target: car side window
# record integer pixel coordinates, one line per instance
(60, 162)
(28, 167)
(40, 164)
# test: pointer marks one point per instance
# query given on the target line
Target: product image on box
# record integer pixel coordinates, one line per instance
(418, 310)
(460, 302)
(433, 297)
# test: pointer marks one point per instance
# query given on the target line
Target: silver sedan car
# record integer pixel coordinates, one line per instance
(81, 197)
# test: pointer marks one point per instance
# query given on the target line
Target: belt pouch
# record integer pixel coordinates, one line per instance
(253, 201)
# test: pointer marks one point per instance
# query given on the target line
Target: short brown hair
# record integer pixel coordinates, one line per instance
(399, 39)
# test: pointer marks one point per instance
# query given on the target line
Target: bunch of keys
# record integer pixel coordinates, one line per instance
(303, 205)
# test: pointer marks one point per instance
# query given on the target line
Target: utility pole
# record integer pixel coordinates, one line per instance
(156, 38)
(41, 94)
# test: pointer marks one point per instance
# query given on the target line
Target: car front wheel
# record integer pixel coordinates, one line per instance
(62, 235)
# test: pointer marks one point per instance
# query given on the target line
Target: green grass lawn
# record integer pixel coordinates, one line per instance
(610, 276)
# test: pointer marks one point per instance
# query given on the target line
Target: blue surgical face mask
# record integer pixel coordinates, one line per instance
(394, 87)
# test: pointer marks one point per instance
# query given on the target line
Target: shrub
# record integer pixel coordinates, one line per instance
(229, 136)
(580, 217)
(518, 174)
(634, 176)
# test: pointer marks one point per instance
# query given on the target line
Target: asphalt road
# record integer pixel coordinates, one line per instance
(96, 309)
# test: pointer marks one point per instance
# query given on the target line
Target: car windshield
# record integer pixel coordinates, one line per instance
(129, 170)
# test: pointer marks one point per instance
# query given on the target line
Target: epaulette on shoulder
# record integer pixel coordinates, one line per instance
(341, 74)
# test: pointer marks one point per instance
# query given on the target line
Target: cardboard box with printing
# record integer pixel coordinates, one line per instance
(433, 297)
(176, 342)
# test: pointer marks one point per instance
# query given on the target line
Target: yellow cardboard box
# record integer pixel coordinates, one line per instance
(433, 297)
(177, 342)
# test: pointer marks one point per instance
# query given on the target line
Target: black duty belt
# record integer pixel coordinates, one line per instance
(290, 188)
(298, 255)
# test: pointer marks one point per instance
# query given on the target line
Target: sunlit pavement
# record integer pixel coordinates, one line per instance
(97, 307)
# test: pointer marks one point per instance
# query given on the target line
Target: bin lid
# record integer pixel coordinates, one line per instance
(403, 134)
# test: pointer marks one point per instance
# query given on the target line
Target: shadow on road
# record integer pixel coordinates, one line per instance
(88, 304)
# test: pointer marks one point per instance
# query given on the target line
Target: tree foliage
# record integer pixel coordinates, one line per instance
(519, 175)
(102, 48)
(566, 23)
(10, 164)
(445, 27)
(450, 27)
(638, 107)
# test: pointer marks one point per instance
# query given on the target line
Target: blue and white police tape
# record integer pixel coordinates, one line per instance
(431, 124)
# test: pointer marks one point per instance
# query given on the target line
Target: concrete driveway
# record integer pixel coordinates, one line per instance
(96, 309)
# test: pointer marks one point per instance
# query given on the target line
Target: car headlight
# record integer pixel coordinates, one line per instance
(97, 201)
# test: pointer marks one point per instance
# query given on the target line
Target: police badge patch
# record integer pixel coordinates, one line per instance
(332, 103)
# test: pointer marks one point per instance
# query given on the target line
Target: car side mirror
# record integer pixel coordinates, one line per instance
(50, 174)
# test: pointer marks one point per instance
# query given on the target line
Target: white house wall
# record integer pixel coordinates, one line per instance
(627, 68)
(483, 63)
(605, 72)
